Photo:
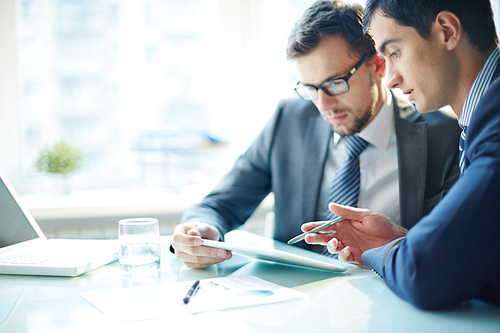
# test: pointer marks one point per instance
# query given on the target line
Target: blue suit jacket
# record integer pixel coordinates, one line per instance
(453, 254)
(288, 159)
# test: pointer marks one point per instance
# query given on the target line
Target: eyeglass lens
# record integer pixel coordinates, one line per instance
(333, 87)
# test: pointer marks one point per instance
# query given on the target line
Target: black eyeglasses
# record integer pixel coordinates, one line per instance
(333, 87)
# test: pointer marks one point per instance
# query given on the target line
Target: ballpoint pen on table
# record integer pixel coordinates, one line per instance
(191, 291)
(315, 230)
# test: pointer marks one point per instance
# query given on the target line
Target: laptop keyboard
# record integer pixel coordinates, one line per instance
(32, 256)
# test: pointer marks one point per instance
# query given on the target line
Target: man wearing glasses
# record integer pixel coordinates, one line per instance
(407, 163)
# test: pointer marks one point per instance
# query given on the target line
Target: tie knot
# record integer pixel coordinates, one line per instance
(354, 145)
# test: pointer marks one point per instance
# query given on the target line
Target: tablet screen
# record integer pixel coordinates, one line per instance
(311, 260)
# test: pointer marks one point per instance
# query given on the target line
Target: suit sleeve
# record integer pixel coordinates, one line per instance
(453, 254)
(240, 192)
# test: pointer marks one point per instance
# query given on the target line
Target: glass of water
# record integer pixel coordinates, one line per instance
(139, 240)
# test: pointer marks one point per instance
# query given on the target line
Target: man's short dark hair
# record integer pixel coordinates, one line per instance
(476, 17)
(326, 18)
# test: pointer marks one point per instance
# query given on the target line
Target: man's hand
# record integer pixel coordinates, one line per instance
(187, 244)
(361, 230)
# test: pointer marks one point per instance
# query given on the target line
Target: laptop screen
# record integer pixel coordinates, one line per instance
(14, 226)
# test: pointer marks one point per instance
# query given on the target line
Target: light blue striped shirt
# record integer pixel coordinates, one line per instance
(477, 91)
(478, 88)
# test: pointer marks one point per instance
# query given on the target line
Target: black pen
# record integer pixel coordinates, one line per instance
(191, 291)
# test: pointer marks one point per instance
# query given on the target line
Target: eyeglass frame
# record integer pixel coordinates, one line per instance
(325, 90)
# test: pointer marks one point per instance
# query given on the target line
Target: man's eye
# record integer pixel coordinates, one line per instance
(394, 54)
(335, 83)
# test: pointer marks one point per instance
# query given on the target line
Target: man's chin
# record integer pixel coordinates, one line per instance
(423, 107)
(343, 130)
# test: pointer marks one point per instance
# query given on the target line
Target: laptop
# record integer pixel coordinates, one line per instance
(25, 250)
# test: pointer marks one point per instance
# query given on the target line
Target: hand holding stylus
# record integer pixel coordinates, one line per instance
(316, 230)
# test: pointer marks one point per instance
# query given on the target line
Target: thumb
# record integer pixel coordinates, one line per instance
(194, 232)
(347, 212)
(204, 230)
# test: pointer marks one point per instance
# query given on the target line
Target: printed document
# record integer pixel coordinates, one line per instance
(164, 300)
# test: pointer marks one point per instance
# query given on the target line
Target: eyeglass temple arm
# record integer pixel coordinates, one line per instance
(355, 69)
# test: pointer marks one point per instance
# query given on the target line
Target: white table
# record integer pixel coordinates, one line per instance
(354, 301)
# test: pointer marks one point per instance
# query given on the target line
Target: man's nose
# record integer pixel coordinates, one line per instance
(326, 102)
(394, 79)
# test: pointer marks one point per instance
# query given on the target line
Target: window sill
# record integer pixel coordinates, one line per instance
(95, 214)
(103, 203)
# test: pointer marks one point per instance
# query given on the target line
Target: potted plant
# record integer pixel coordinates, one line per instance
(60, 159)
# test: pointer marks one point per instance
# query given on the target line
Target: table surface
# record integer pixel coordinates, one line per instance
(353, 301)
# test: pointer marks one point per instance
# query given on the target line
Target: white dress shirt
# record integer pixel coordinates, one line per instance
(379, 186)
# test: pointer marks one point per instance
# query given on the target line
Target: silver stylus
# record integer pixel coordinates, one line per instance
(315, 230)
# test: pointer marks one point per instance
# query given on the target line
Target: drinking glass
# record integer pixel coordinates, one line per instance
(139, 240)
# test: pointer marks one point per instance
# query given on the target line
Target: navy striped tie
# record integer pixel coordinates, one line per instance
(461, 155)
(345, 186)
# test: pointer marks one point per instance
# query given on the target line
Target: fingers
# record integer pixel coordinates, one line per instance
(199, 230)
(321, 239)
(347, 212)
(310, 225)
(202, 256)
(190, 234)
(187, 240)
(334, 245)
(345, 254)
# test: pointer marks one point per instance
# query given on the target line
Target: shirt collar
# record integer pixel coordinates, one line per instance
(478, 88)
(378, 132)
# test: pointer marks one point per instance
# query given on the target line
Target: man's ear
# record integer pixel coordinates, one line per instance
(379, 64)
(448, 29)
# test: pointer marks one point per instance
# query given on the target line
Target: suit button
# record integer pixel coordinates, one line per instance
(377, 274)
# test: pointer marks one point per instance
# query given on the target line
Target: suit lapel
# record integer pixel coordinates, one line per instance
(316, 142)
(411, 134)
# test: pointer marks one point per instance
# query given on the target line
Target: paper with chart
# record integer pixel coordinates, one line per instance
(164, 300)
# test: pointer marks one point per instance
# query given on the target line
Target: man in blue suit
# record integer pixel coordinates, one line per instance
(443, 53)
(298, 152)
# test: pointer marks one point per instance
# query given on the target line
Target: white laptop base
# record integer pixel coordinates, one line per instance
(60, 257)
(24, 249)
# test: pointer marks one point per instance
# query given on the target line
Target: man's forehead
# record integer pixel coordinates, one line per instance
(385, 31)
(331, 59)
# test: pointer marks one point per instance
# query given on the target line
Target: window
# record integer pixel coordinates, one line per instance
(156, 93)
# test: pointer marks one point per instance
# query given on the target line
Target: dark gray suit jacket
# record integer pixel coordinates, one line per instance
(288, 159)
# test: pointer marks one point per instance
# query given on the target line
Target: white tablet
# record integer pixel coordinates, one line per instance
(312, 260)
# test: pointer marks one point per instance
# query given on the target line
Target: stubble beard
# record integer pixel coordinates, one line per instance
(359, 123)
